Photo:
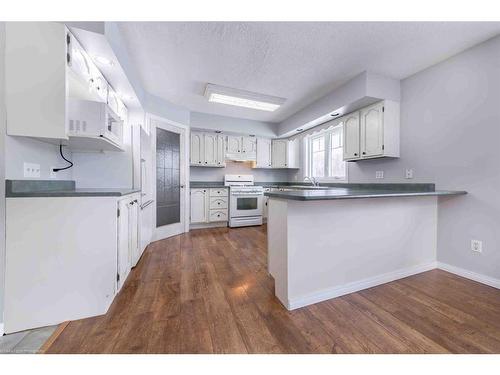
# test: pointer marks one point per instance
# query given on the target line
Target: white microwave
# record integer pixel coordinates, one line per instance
(88, 118)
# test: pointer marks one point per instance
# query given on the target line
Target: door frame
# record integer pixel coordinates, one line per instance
(153, 120)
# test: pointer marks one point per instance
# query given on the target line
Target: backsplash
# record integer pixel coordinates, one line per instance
(217, 174)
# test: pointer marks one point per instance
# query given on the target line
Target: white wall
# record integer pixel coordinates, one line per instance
(22, 149)
(450, 135)
(217, 174)
(232, 124)
(2, 167)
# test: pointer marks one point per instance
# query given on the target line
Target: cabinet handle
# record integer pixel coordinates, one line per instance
(199, 162)
(204, 191)
(355, 154)
(364, 153)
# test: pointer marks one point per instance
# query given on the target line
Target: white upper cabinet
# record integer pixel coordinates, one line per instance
(210, 142)
(293, 155)
(207, 150)
(351, 136)
(196, 150)
(249, 148)
(45, 66)
(35, 79)
(372, 132)
(234, 146)
(263, 153)
(241, 148)
(279, 153)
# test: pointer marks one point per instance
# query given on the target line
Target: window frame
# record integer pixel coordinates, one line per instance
(327, 135)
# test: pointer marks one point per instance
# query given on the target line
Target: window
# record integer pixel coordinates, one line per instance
(325, 155)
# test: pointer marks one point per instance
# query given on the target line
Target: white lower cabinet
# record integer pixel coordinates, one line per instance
(209, 205)
(199, 206)
(74, 260)
(128, 237)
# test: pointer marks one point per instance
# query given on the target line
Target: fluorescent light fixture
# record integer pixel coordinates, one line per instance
(102, 60)
(241, 98)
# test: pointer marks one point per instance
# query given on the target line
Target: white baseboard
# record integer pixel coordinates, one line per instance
(220, 224)
(358, 285)
(495, 283)
(1, 329)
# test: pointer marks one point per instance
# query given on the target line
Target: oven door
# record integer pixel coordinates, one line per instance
(242, 204)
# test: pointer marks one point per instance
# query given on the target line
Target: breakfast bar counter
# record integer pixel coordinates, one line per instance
(326, 243)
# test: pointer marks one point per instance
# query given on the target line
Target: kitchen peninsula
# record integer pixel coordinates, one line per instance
(326, 243)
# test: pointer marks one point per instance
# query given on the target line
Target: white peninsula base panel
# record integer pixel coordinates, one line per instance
(324, 249)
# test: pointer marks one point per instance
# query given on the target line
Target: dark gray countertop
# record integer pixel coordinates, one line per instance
(343, 193)
(58, 188)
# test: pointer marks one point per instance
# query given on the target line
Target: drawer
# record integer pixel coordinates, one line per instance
(217, 203)
(215, 192)
(217, 215)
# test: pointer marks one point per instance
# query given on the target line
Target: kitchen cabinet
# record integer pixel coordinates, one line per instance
(128, 237)
(199, 207)
(351, 136)
(74, 260)
(207, 150)
(45, 66)
(249, 148)
(293, 153)
(279, 153)
(241, 148)
(372, 132)
(263, 153)
(209, 205)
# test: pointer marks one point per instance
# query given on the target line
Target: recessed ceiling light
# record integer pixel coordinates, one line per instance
(102, 60)
(241, 98)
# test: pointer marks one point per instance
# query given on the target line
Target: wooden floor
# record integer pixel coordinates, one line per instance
(208, 291)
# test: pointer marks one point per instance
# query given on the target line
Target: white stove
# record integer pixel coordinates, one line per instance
(245, 202)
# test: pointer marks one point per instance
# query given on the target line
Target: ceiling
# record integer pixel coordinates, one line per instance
(299, 61)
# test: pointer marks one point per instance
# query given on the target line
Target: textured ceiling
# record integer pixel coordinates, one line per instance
(300, 61)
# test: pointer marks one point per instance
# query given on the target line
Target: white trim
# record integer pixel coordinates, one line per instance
(1, 329)
(186, 134)
(220, 224)
(338, 291)
(483, 279)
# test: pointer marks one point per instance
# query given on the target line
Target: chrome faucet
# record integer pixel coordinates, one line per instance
(312, 180)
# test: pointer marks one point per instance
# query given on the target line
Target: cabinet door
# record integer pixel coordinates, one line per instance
(221, 156)
(293, 156)
(279, 153)
(233, 145)
(134, 232)
(123, 242)
(249, 147)
(351, 136)
(198, 205)
(210, 149)
(263, 153)
(197, 157)
(372, 130)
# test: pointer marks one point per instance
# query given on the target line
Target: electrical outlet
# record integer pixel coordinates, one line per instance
(31, 170)
(476, 245)
(52, 174)
(379, 174)
(409, 173)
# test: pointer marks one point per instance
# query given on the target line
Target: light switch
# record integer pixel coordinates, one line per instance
(379, 174)
(409, 173)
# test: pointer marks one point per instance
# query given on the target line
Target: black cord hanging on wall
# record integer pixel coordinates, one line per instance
(70, 162)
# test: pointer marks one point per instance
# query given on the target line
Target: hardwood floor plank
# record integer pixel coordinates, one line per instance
(208, 291)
